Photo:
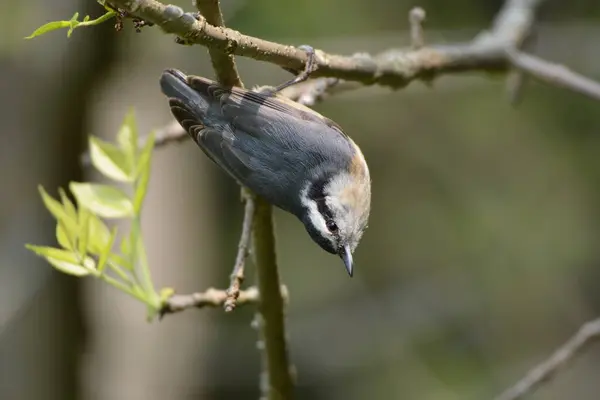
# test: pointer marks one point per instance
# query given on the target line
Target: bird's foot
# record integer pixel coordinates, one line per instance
(309, 68)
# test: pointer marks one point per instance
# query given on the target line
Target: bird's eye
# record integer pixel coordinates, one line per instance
(331, 226)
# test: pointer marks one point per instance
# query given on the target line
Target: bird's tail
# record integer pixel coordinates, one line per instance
(188, 104)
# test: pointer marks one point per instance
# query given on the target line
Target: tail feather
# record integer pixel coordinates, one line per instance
(187, 102)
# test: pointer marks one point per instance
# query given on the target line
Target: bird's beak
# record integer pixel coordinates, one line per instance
(346, 257)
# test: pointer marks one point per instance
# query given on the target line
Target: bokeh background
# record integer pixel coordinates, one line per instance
(482, 253)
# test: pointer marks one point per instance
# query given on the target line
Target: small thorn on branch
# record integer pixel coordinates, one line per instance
(237, 275)
(416, 17)
(515, 82)
(517, 79)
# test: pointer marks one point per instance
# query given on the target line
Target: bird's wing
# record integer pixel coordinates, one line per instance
(265, 142)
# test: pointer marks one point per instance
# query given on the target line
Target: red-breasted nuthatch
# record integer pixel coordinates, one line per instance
(287, 153)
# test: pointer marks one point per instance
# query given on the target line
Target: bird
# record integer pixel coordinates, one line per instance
(290, 155)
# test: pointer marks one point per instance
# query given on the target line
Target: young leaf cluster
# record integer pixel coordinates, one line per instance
(87, 244)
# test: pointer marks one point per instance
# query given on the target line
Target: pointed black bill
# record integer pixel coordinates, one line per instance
(346, 257)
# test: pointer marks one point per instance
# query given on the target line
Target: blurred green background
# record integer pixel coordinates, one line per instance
(481, 255)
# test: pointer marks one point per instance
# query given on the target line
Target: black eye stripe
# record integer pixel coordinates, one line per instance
(317, 189)
(324, 209)
(316, 193)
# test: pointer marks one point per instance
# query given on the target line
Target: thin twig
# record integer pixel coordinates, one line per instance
(212, 297)
(587, 334)
(209, 298)
(416, 17)
(237, 275)
(554, 74)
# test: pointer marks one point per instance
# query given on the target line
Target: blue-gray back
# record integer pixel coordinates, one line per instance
(269, 144)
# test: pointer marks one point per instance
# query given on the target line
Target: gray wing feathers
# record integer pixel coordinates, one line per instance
(267, 145)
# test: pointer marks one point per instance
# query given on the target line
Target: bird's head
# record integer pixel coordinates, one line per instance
(336, 210)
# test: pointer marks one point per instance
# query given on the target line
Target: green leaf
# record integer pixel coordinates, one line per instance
(106, 252)
(104, 200)
(61, 236)
(64, 260)
(54, 206)
(110, 160)
(84, 230)
(62, 214)
(67, 204)
(128, 138)
(126, 246)
(117, 259)
(145, 155)
(99, 235)
(49, 27)
(143, 174)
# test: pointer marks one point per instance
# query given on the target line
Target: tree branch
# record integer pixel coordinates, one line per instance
(587, 334)
(271, 302)
(210, 298)
(395, 68)
(554, 74)
(213, 298)
(279, 384)
(222, 62)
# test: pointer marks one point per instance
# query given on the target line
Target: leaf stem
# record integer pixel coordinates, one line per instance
(119, 271)
(123, 287)
(139, 250)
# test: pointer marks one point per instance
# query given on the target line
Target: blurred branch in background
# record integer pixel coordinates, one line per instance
(554, 74)
(587, 335)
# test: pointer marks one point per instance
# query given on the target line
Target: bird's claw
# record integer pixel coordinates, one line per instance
(309, 68)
